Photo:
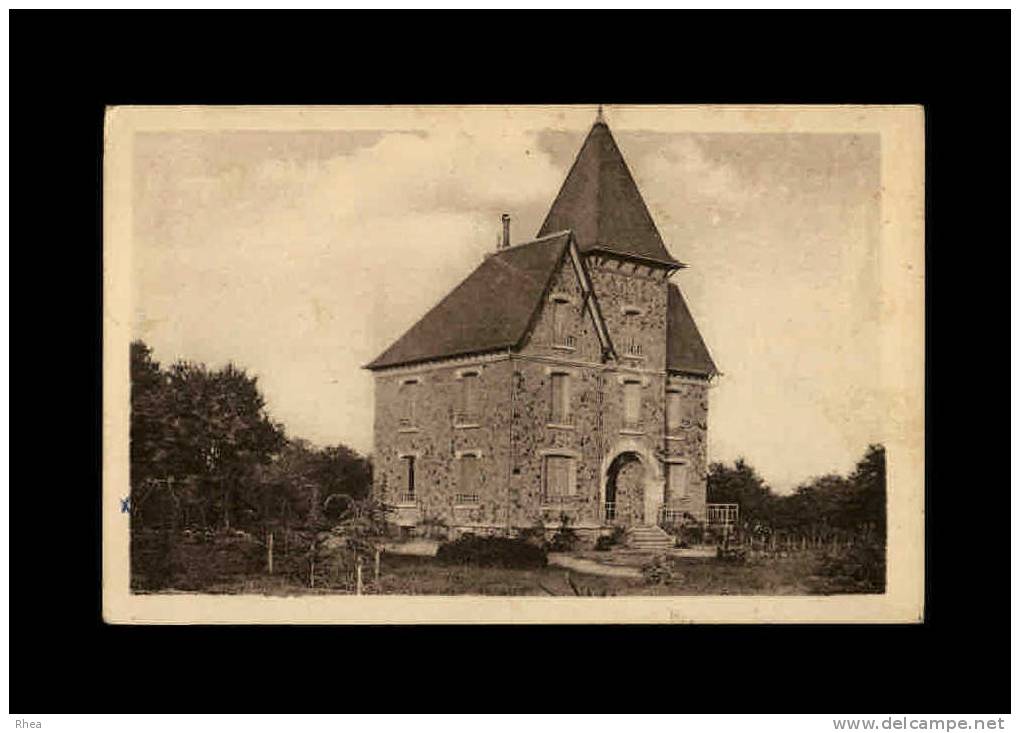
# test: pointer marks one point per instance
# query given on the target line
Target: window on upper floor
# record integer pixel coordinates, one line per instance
(562, 335)
(677, 481)
(559, 476)
(408, 396)
(632, 404)
(467, 406)
(674, 416)
(559, 398)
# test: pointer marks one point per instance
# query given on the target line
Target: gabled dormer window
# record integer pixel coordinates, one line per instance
(562, 336)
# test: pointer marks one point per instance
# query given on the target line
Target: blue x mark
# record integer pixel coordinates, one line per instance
(125, 505)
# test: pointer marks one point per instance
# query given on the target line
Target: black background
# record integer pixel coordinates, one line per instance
(65, 66)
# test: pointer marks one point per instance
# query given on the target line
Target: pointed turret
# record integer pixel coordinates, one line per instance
(601, 204)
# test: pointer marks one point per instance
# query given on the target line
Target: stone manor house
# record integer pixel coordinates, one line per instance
(564, 376)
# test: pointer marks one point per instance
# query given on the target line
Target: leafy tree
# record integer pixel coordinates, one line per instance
(149, 418)
(821, 506)
(202, 432)
(741, 484)
(866, 503)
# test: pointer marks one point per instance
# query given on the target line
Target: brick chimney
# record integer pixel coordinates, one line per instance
(506, 231)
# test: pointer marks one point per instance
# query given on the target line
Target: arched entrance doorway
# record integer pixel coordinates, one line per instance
(624, 498)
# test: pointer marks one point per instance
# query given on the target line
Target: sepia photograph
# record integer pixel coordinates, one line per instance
(536, 364)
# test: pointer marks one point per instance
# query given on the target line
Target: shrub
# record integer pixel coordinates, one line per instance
(606, 542)
(861, 569)
(534, 535)
(565, 539)
(497, 552)
(658, 571)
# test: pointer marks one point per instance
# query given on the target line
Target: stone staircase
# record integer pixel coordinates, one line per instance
(649, 539)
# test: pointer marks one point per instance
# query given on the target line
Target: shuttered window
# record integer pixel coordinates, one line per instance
(560, 399)
(561, 323)
(559, 476)
(673, 416)
(467, 411)
(408, 403)
(468, 484)
(677, 480)
(631, 404)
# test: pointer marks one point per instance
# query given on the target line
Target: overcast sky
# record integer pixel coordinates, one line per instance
(302, 255)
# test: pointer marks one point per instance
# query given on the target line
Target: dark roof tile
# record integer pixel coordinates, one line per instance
(601, 204)
(491, 309)
(685, 349)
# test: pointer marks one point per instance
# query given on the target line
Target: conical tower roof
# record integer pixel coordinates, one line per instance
(601, 204)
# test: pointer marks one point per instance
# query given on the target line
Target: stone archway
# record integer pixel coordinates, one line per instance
(632, 486)
(624, 494)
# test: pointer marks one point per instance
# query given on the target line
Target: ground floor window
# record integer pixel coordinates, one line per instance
(559, 476)
(409, 467)
(467, 480)
(677, 475)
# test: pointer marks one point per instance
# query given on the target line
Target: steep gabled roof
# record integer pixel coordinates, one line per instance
(685, 349)
(491, 309)
(601, 204)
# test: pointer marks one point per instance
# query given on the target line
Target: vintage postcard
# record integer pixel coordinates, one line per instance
(536, 364)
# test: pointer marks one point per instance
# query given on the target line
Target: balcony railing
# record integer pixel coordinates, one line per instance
(407, 498)
(466, 499)
(465, 418)
(565, 340)
(714, 515)
(722, 514)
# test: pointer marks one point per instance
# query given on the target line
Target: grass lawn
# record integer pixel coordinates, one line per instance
(409, 575)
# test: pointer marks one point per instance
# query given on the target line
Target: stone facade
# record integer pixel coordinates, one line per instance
(564, 377)
(514, 428)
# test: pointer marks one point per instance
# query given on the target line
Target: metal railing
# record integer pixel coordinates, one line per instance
(714, 515)
(463, 499)
(609, 511)
(633, 348)
(671, 515)
(722, 514)
(565, 339)
(407, 498)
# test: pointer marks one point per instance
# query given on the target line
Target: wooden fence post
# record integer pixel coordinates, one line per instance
(311, 566)
(377, 553)
(358, 570)
(269, 552)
